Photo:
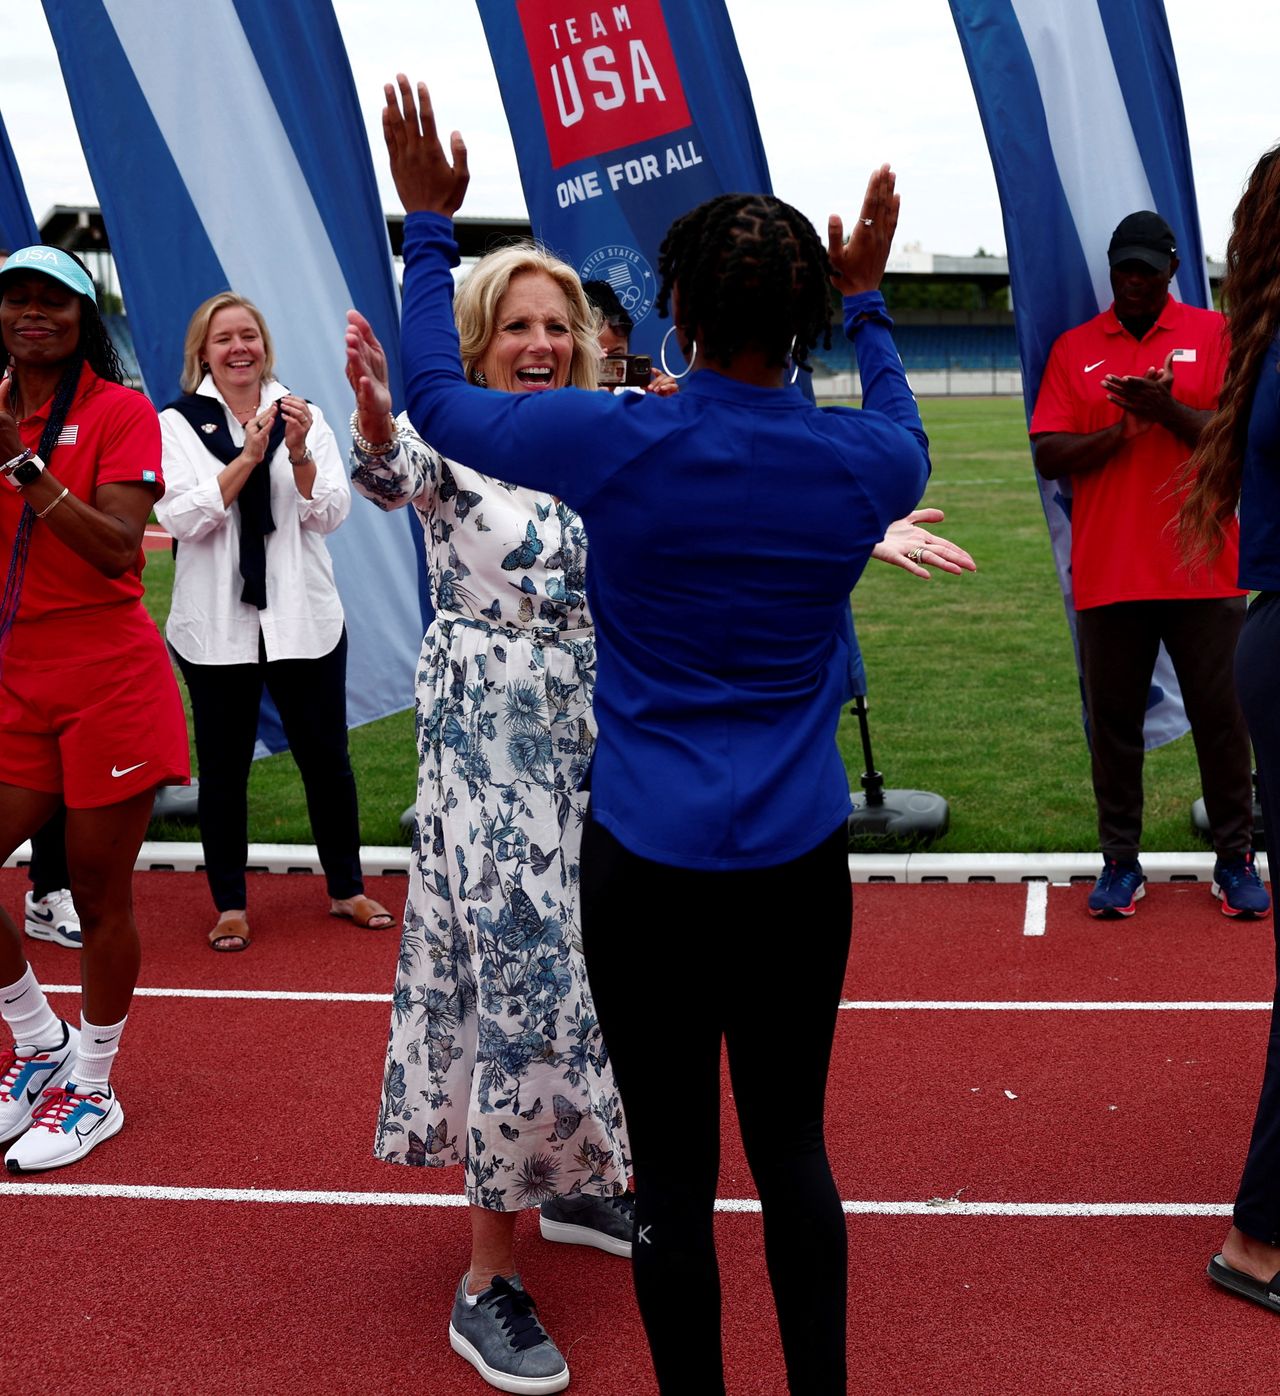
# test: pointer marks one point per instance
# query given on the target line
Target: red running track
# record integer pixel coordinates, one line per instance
(935, 1115)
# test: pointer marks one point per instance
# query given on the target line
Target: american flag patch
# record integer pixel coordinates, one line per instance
(67, 436)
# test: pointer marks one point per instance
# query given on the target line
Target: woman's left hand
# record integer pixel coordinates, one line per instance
(915, 549)
(423, 175)
(297, 423)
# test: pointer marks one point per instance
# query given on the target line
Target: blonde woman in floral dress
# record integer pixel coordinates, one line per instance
(495, 1061)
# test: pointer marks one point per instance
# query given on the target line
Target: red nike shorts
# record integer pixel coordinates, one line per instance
(90, 709)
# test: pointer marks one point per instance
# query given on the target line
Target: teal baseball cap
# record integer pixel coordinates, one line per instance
(52, 262)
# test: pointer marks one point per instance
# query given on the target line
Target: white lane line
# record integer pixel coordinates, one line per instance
(1037, 906)
(289, 995)
(1060, 1006)
(738, 1205)
(857, 1005)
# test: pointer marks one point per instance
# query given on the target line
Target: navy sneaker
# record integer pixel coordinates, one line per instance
(1240, 888)
(1118, 888)
(501, 1337)
(582, 1219)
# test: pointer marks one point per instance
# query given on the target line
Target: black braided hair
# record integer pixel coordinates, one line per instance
(751, 273)
(96, 347)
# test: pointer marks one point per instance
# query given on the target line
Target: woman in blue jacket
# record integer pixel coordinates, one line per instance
(728, 525)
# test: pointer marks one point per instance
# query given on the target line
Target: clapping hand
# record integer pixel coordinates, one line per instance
(367, 374)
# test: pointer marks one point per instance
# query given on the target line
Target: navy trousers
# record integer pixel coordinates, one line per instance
(311, 695)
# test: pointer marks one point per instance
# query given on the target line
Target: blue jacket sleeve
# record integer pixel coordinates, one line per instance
(547, 441)
(884, 381)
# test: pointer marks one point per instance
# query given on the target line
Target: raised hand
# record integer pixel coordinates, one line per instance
(369, 379)
(858, 265)
(10, 440)
(425, 179)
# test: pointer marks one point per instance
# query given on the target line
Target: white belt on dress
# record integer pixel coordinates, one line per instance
(541, 634)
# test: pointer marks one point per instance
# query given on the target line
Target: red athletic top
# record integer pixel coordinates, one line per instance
(1123, 545)
(111, 435)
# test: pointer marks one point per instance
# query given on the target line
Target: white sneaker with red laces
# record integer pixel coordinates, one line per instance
(68, 1124)
(26, 1073)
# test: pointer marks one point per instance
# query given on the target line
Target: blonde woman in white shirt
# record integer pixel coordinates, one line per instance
(255, 482)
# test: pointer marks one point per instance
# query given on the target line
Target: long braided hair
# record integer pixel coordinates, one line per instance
(1251, 293)
(751, 273)
(95, 348)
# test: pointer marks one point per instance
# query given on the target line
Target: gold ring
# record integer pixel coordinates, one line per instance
(915, 554)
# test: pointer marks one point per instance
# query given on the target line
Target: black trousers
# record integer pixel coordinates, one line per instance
(48, 871)
(311, 695)
(1118, 648)
(679, 961)
(1257, 1209)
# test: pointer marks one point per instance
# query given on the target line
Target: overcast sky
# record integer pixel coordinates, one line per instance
(839, 85)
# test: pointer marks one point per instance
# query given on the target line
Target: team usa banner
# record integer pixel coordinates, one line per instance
(624, 116)
(1083, 115)
(227, 149)
(17, 226)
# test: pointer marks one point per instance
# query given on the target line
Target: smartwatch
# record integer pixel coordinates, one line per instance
(25, 469)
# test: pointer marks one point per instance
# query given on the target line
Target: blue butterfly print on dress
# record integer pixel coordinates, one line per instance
(526, 553)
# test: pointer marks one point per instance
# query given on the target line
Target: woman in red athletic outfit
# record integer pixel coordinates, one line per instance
(89, 709)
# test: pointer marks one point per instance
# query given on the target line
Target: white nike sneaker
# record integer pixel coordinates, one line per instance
(53, 918)
(68, 1125)
(26, 1073)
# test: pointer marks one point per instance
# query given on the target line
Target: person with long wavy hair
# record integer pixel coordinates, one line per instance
(89, 707)
(1237, 464)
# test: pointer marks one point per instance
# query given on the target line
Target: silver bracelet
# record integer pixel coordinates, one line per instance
(53, 504)
(367, 447)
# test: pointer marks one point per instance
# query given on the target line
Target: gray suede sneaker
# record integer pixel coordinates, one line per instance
(581, 1219)
(502, 1339)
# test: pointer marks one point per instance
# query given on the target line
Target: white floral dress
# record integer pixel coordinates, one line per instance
(495, 1059)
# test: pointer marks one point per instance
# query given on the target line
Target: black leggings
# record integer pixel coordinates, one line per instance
(679, 960)
(1257, 1209)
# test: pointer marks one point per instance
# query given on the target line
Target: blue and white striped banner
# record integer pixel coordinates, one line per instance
(227, 149)
(17, 226)
(1083, 115)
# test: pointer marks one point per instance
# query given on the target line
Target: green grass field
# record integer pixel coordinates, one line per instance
(972, 684)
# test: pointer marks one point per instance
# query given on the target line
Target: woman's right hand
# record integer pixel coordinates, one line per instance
(256, 433)
(10, 440)
(369, 379)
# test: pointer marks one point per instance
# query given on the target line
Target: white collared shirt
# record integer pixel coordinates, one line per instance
(208, 623)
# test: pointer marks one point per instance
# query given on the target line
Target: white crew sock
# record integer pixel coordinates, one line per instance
(98, 1048)
(26, 1010)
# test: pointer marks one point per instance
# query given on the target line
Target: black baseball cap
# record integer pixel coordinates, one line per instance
(1143, 237)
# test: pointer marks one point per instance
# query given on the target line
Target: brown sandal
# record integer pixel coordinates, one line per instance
(233, 929)
(365, 913)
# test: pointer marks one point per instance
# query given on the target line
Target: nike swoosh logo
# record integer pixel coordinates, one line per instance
(40, 916)
(1088, 368)
(115, 770)
(16, 997)
(102, 1041)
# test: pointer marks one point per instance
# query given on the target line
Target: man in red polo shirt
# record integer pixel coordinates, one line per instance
(1122, 403)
